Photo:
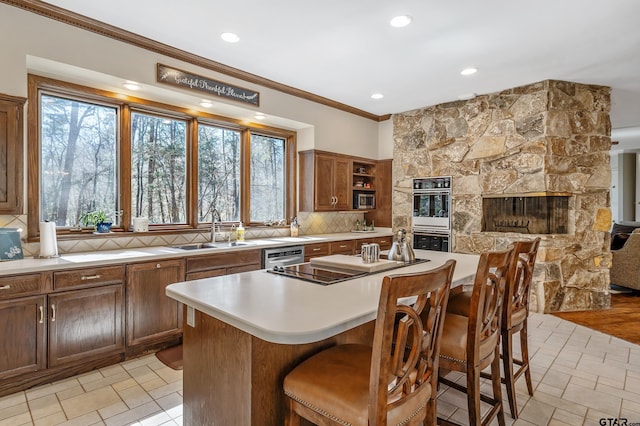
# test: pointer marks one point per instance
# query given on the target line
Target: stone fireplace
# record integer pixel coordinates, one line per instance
(525, 162)
(526, 214)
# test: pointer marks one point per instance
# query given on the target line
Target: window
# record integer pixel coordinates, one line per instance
(90, 150)
(267, 178)
(78, 153)
(158, 168)
(218, 173)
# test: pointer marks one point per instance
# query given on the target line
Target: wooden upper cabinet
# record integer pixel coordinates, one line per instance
(382, 215)
(325, 181)
(11, 146)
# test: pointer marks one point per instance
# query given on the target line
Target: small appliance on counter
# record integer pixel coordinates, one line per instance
(10, 245)
(400, 250)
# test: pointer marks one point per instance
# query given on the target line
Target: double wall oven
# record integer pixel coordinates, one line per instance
(431, 218)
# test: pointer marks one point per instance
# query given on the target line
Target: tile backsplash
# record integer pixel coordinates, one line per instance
(310, 223)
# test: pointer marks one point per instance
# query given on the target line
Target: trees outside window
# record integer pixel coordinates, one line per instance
(92, 150)
(158, 169)
(78, 153)
(218, 173)
(267, 178)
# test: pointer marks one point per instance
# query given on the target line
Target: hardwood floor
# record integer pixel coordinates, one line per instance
(622, 320)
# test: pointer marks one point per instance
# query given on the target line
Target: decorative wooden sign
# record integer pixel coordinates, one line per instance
(179, 78)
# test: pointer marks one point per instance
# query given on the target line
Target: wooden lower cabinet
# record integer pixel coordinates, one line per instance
(315, 250)
(207, 266)
(342, 247)
(23, 335)
(153, 317)
(85, 323)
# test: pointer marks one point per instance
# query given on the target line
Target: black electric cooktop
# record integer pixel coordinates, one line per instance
(328, 275)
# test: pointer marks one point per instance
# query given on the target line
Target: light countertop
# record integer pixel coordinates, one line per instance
(141, 254)
(286, 310)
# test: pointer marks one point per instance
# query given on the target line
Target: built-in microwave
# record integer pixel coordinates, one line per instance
(364, 200)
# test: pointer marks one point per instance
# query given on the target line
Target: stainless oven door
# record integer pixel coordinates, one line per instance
(431, 209)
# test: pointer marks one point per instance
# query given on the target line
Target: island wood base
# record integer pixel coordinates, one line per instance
(233, 378)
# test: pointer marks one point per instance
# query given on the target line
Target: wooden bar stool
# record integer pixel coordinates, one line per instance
(395, 381)
(514, 317)
(471, 343)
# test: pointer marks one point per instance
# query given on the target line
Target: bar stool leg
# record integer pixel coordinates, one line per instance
(496, 382)
(507, 364)
(473, 400)
(524, 348)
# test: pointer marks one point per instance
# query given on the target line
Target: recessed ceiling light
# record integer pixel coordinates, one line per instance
(260, 116)
(206, 104)
(469, 71)
(377, 96)
(400, 21)
(230, 37)
(131, 85)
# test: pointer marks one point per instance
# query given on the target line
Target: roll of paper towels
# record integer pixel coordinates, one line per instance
(48, 240)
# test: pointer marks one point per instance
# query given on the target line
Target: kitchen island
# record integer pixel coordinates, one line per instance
(243, 333)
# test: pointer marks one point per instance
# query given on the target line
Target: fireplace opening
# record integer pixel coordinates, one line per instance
(548, 214)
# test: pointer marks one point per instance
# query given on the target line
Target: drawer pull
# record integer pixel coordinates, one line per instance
(316, 249)
(158, 266)
(41, 308)
(5, 287)
(53, 311)
(90, 277)
(343, 246)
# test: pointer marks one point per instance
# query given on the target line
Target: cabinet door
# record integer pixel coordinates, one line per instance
(324, 178)
(85, 323)
(151, 315)
(11, 142)
(23, 336)
(342, 183)
(342, 247)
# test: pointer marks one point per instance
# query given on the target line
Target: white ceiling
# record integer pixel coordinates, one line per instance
(345, 50)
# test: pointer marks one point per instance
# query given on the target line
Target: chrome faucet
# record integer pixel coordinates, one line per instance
(215, 218)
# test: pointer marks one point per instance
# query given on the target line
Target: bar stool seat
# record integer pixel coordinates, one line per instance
(336, 383)
(471, 343)
(392, 382)
(515, 311)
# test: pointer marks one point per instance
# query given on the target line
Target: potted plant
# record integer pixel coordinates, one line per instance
(97, 219)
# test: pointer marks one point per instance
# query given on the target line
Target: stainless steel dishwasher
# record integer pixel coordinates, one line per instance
(282, 256)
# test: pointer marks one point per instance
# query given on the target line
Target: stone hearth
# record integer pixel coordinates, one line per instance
(548, 137)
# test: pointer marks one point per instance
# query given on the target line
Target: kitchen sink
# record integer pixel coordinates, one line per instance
(200, 246)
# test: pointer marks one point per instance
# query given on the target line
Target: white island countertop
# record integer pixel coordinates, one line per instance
(286, 310)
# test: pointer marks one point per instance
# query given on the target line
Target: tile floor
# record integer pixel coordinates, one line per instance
(580, 377)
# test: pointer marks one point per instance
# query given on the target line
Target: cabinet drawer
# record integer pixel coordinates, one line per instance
(89, 277)
(315, 250)
(20, 285)
(342, 247)
(206, 274)
(223, 260)
(384, 242)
